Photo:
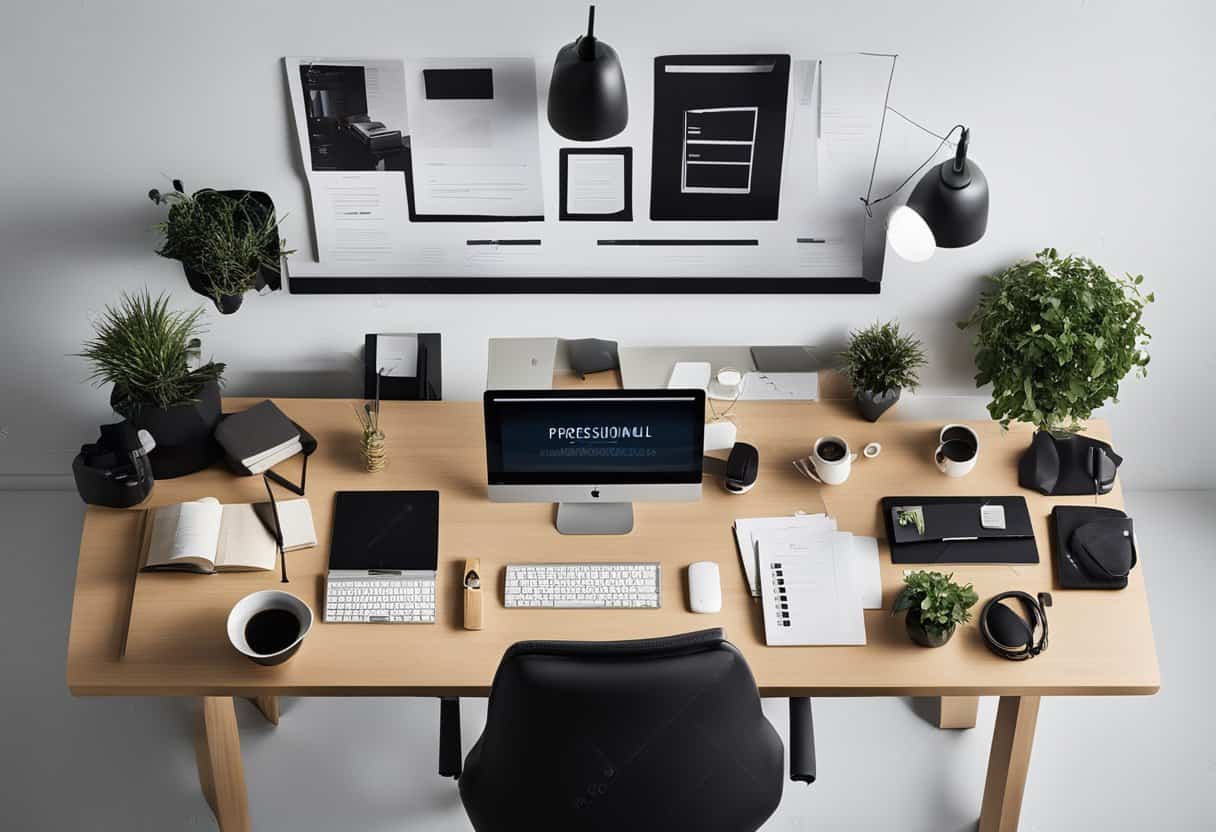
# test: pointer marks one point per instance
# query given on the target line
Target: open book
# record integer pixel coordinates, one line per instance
(207, 536)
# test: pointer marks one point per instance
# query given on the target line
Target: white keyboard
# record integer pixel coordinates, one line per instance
(583, 585)
(377, 600)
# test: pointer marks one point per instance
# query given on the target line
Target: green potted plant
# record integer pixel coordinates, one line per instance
(935, 604)
(143, 349)
(880, 362)
(227, 242)
(1054, 337)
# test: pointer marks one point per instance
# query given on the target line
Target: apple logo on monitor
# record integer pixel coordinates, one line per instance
(595, 492)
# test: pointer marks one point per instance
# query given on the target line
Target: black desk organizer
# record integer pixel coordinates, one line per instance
(971, 542)
(427, 384)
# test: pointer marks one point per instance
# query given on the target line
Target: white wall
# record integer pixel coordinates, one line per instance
(1093, 121)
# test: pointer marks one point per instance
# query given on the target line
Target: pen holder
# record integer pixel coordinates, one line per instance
(372, 448)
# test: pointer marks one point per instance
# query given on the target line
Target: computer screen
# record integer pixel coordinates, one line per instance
(541, 437)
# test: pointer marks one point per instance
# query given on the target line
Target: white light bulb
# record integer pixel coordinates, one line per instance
(910, 235)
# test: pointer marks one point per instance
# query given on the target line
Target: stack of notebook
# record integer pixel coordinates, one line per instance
(259, 438)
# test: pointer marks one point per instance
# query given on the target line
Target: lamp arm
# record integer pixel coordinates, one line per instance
(960, 159)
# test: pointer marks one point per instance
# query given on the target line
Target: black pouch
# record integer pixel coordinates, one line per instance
(1068, 465)
(1095, 547)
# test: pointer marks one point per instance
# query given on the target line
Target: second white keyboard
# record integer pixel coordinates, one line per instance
(583, 585)
(391, 600)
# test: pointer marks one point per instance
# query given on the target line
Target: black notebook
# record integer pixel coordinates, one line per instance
(258, 438)
(953, 530)
(385, 531)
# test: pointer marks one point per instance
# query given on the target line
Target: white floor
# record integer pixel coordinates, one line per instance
(127, 764)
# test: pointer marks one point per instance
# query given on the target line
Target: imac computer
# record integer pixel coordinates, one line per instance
(593, 452)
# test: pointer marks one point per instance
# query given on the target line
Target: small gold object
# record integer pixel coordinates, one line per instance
(371, 446)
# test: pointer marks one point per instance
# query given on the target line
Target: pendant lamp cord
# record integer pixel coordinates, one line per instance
(866, 200)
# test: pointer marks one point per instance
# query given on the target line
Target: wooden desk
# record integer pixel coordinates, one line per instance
(1101, 641)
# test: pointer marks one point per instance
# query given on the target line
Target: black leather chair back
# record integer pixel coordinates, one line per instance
(662, 733)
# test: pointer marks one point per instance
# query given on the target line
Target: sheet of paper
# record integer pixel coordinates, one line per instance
(808, 592)
(351, 126)
(748, 532)
(867, 576)
(475, 155)
(758, 386)
(397, 355)
(595, 183)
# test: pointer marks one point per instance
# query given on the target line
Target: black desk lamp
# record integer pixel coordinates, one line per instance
(948, 208)
(587, 100)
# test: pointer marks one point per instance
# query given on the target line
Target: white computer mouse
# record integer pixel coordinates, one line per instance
(704, 587)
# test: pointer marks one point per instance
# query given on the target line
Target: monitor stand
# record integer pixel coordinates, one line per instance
(595, 518)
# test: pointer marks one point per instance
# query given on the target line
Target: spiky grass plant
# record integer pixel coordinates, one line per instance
(880, 358)
(224, 239)
(141, 346)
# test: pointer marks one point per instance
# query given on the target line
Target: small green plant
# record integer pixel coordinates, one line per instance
(225, 239)
(912, 516)
(880, 358)
(940, 603)
(1055, 337)
(141, 347)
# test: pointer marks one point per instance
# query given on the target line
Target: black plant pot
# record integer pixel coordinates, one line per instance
(918, 633)
(873, 405)
(227, 304)
(183, 433)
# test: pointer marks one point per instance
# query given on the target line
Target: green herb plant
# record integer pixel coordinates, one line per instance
(1055, 336)
(225, 239)
(880, 358)
(941, 603)
(914, 516)
(141, 347)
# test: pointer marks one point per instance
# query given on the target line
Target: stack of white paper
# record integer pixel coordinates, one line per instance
(814, 581)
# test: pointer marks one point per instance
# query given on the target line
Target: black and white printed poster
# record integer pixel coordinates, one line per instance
(719, 136)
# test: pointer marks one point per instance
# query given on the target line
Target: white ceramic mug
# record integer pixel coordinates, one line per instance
(268, 599)
(958, 448)
(830, 471)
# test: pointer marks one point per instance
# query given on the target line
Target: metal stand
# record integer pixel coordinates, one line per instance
(595, 518)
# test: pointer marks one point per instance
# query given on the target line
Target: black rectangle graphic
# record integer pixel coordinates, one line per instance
(456, 84)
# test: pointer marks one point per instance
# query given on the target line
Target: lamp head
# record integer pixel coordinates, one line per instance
(948, 208)
(587, 100)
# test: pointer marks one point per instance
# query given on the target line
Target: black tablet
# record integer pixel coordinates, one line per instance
(389, 530)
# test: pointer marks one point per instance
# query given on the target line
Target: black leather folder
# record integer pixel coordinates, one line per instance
(953, 532)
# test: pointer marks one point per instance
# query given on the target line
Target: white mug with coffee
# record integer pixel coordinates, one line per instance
(830, 462)
(268, 626)
(958, 447)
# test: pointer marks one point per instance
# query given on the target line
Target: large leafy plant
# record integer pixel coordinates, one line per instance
(1055, 337)
(225, 239)
(881, 358)
(939, 601)
(142, 348)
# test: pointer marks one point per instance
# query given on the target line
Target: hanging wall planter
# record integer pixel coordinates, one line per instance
(227, 242)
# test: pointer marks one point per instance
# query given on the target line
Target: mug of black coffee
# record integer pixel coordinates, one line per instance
(269, 626)
(830, 460)
(957, 450)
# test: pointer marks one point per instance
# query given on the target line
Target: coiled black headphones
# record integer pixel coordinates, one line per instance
(1008, 634)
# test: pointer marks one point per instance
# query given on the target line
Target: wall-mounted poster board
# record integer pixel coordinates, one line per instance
(736, 174)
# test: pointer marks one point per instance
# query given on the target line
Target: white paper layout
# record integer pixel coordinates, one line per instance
(595, 183)
(476, 156)
(807, 590)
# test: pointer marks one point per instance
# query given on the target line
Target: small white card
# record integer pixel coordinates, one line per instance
(595, 183)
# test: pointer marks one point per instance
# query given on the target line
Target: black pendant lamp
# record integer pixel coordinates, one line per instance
(587, 99)
(948, 208)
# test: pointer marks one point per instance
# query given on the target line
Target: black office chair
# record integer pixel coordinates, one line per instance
(662, 733)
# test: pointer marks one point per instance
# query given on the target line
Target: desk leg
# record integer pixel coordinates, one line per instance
(269, 707)
(1008, 763)
(217, 751)
(957, 711)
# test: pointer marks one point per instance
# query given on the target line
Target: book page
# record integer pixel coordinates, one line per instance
(244, 542)
(185, 534)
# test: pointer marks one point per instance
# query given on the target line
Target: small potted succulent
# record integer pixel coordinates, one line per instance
(935, 604)
(144, 350)
(227, 242)
(880, 362)
(1055, 336)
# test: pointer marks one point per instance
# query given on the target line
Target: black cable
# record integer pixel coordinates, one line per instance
(870, 203)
